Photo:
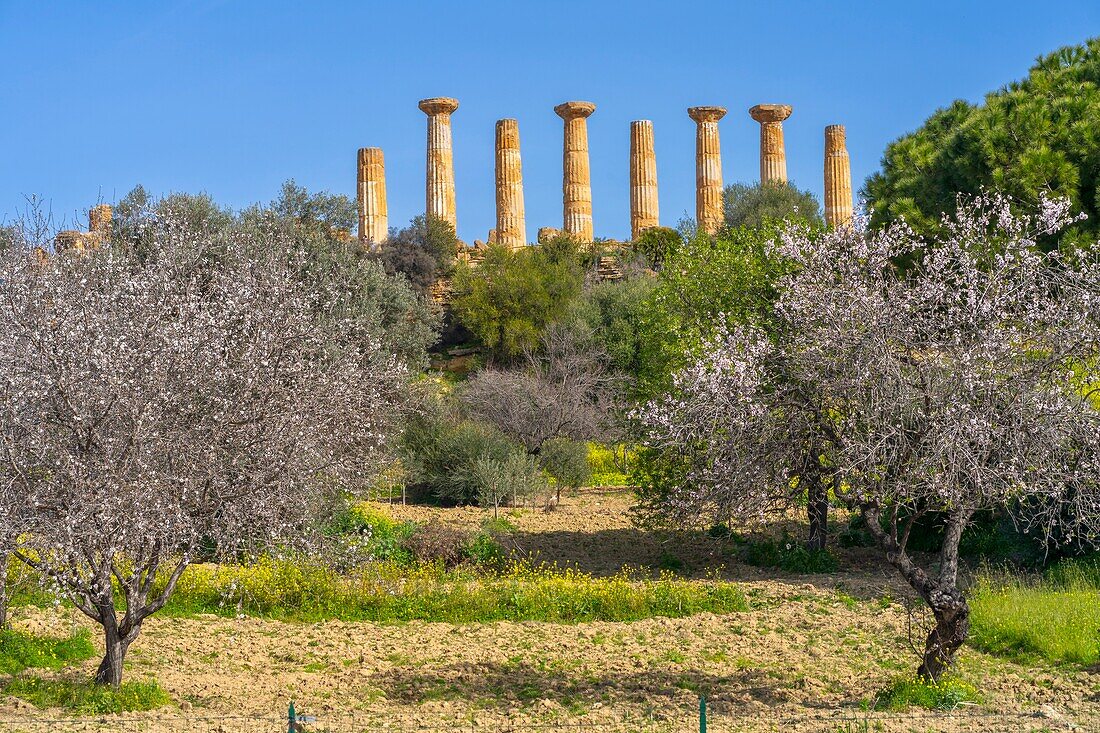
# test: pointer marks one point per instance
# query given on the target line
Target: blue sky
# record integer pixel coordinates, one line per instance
(233, 98)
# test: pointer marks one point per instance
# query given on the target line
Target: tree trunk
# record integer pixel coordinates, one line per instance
(3, 591)
(817, 510)
(952, 614)
(110, 669)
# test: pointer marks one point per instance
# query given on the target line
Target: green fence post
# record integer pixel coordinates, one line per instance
(702, 714)
(292, 725)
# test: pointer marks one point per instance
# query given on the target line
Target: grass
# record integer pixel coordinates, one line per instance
(19, 650)
(905, 693)
(87, 698)
(302, 591)
(1055, 618)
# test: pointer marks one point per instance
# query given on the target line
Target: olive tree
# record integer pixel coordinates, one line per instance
(199, 394)
(966, 383)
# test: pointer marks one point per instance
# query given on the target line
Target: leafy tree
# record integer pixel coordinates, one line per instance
(199, 392)
(1032, 138)
(567, 463)
(960, 387)
(424, 252)
(656, 244)
(510, 297)
(616, 314)
(335, 213)
(515, 476)
(757, 206)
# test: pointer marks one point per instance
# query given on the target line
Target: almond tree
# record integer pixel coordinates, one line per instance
(966, 383)
(195, 393)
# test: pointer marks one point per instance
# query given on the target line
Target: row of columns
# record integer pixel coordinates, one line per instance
(511, 227)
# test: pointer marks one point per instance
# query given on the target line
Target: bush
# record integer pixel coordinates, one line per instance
(757, 206)
(789, 555)
(371, 533)
(436, 542)
(566, 461)
(423, 252)
(510, 298)
(88, 698)
(656, 244)
(607, 467)
(947, 694)
(19, 650)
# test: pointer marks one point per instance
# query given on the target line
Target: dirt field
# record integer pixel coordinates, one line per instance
(811, 650)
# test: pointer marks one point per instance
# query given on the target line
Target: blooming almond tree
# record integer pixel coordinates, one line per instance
(964, 383)
(188, 393)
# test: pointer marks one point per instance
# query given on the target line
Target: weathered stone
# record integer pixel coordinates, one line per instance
(576, 174)
(708, 167)
(68, 239)
(373, 211)
(440, 185)
(99, 223)
(511, 228)
(644, 209)
(773, 158)
(548, 234)
(838, 177)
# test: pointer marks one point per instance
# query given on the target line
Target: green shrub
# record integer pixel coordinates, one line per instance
(87, 698)
(566, 461)
(372, 533)
(484, 549)
(789, 555)
(605, 466)
(304, 591)
(19, 650)
(947, 694)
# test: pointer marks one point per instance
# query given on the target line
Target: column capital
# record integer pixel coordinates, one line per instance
(438, 105)
(706, 113)
(770, 112)
(573, 110)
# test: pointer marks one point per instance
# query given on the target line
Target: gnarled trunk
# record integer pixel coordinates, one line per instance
(817, 511)
(117, 644)
(952, 614)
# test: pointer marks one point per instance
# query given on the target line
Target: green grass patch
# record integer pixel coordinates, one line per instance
(790, 555)
(19, 650)
(87, 698)
(905, 693)
(305, 591)
(1055, 618)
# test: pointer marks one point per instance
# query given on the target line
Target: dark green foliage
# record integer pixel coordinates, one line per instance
(1038, 135)
(509, 298)
(87, 698)
(789, 555)
(566, 461)
(323, 210)
(657, 244)
(423, 252)
(762, 205)
(618, 314)
(19, 650)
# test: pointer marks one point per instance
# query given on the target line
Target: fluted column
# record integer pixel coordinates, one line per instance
(643, 178)
(373, 215)
(576, 175)
(773, 158)
(511, 225)
(708, 167)
(99, 222)
(838, 178)
(440, 198)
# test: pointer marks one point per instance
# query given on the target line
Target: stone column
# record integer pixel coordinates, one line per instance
(511, 228)
(576, 176)
(440, 203)
(373, 213)
(643, 178)
(838, 178)
(773, 158)
(708, 167)
(99, 222)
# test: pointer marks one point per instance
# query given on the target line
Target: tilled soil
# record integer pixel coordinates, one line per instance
(805, 658)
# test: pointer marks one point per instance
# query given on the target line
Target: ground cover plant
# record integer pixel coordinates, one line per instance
(20, 650)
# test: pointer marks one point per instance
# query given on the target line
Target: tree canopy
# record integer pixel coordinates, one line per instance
(1032, 137)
